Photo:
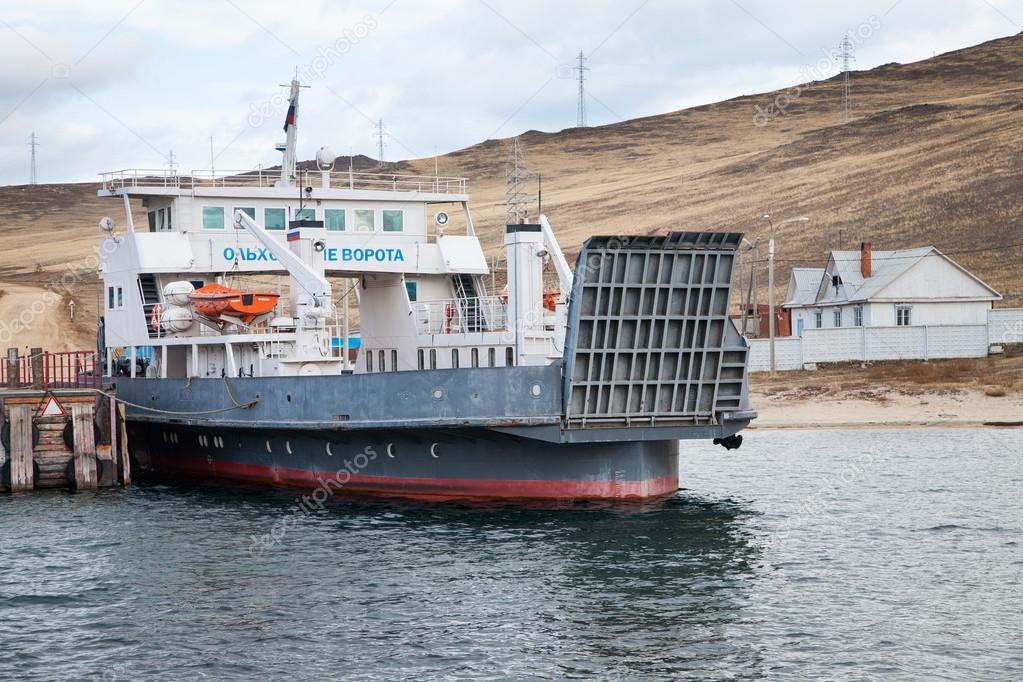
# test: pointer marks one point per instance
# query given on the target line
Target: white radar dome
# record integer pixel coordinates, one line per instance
(325, 159)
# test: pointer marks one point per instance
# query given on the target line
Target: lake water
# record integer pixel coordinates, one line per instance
(837, 555)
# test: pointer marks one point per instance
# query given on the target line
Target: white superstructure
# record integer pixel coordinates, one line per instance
(326, 236)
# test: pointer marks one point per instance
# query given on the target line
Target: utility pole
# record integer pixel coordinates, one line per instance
(380, 139)
(847, 56)
(581, 109)
(33, 142)
(770, 279)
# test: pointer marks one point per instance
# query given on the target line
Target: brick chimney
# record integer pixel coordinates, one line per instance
(865, 260)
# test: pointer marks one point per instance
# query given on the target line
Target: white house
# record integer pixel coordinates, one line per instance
(909, 287)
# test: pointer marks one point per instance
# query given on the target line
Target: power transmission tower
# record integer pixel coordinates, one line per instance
(581, 110)
(516, 200)
(33, 143)
(848, 56)
(170, 162)
(381, 132)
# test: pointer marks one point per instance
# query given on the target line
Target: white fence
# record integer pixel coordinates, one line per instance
(866, 344)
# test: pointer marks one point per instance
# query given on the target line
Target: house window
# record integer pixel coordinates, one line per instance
(247, 210)
(838, 317)
(334, 219)
(858, 317)
(365, 220)
(213, 217)
(818, 318)
(903, 315)
(393, 221)
(115, 298)
(274, 218)
(305, 214)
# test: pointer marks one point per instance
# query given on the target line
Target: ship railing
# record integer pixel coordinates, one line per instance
(461, 315)
(131, 178)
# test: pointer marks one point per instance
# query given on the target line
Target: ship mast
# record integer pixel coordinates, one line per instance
(288, 149)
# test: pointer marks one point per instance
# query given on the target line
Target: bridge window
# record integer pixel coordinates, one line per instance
(383, 365)
(251, 212)
(454, 358)
(213, 217)
(492, 357)
(411, 288)
(305, 214)
(422, 359)
(365, 220)
(334, 219)
(433, 358)
(475, 356)
(369, 361)
(394, 221)
(394, 361)
(509, 357)
(274, 218)
(115, 298)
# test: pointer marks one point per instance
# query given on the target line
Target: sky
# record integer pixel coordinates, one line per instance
(120, 84)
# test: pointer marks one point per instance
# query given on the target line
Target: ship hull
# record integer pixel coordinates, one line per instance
(423, 463)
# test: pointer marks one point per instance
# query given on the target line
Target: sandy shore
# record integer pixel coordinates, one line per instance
(948, 407)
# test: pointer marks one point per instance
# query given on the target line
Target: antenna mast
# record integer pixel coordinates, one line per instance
(516, 199)
(33, 143)
(581, 109)
(381, 131)
(847, 56)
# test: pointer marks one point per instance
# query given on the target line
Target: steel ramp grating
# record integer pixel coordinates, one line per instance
(649, 338)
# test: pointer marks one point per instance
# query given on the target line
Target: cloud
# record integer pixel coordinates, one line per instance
(142, 78)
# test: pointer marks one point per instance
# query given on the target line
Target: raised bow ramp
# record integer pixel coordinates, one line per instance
(649, 342)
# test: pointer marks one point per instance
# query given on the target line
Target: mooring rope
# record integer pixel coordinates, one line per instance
(237, 405)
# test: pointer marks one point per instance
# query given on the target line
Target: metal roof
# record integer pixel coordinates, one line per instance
(805, 281)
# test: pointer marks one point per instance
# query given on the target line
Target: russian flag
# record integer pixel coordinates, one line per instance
(294, 235)
(289, 120)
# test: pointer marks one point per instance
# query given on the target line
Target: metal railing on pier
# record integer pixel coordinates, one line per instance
(43, 370)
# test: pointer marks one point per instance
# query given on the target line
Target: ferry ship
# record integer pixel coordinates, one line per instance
(229, 329)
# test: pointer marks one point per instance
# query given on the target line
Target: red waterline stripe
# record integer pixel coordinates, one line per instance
(426, 487)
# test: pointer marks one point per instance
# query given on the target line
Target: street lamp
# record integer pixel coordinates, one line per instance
(770, 277)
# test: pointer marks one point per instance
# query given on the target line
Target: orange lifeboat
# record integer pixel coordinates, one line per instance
(214, 300)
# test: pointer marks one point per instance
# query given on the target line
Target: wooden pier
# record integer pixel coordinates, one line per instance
(61, 427)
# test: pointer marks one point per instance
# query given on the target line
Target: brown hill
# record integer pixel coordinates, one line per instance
(927, 159)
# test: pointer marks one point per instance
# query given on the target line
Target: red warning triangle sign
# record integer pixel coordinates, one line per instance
(51, 407)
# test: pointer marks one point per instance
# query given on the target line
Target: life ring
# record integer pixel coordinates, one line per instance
(156, 317)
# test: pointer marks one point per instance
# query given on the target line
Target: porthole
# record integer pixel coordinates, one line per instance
(330, 453)
(164, 436)
(269, 450)
(438, 394)
(536, 390)
(287, 446)
(391, 451)
(435, 450)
